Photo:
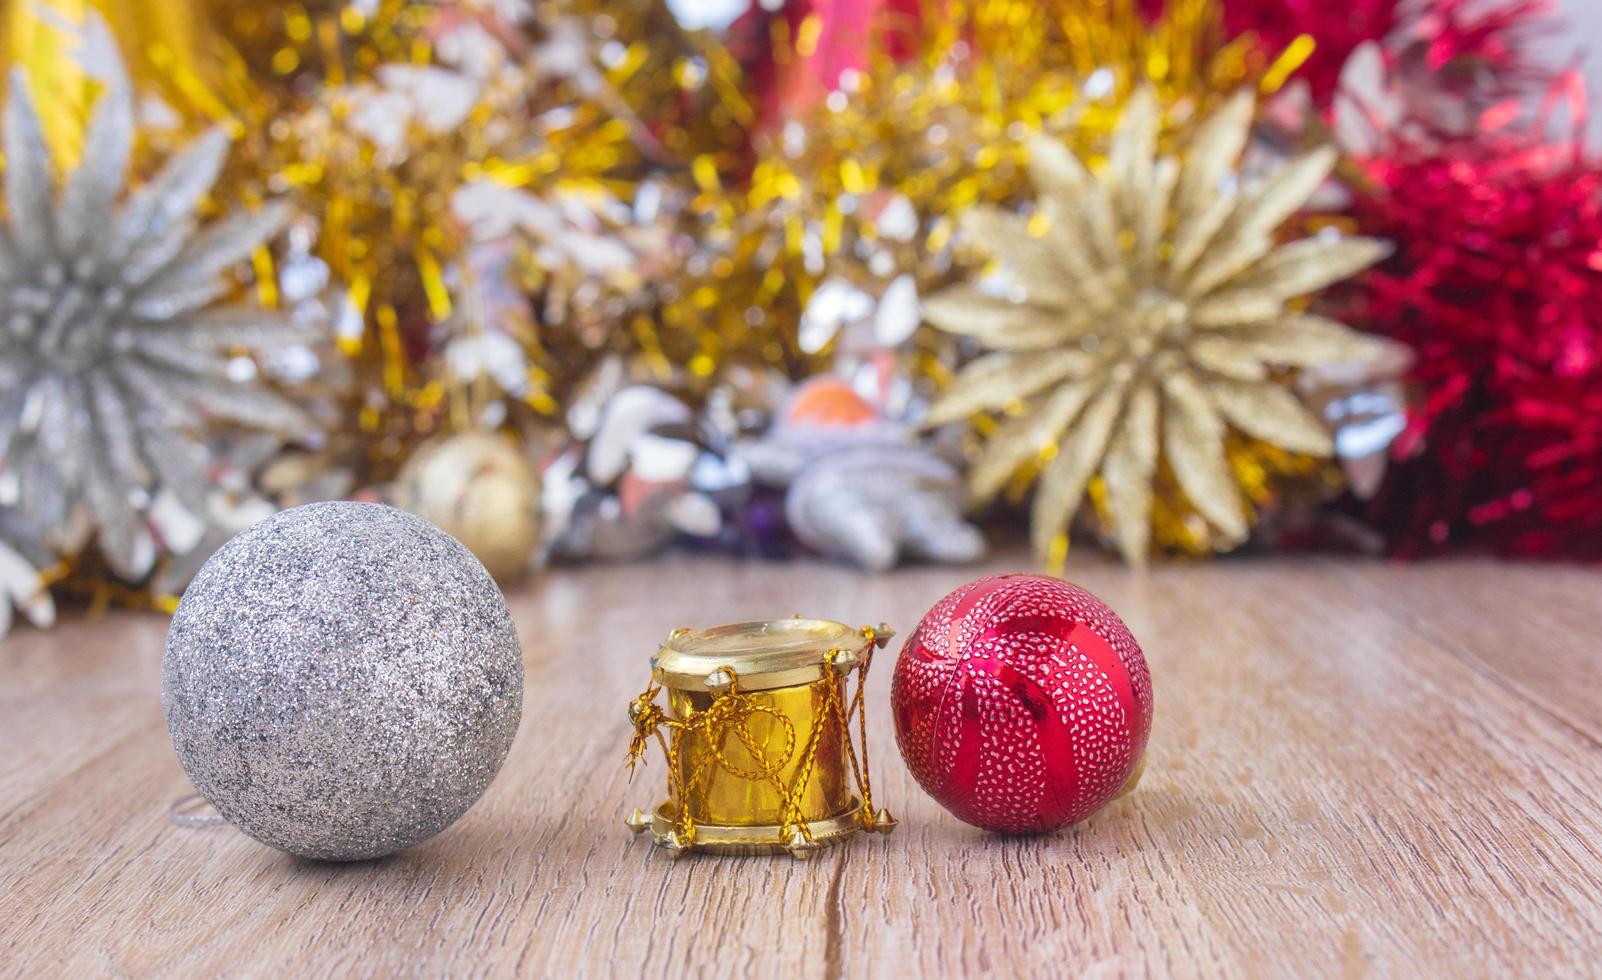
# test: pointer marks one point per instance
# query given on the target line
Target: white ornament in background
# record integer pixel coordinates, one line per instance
(715, 15)
(22, 587)
(840, 310)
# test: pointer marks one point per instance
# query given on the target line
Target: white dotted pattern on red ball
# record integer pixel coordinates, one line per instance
(1011, 781)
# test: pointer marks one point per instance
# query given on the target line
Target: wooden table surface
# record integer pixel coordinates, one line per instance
(1356, 769)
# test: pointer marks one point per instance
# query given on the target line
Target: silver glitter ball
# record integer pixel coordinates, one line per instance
(342, 680)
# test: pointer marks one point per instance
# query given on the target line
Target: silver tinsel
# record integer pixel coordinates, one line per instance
(113, 362)
(342, 680)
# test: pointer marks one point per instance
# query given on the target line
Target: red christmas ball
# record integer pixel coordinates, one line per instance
(1022, 703)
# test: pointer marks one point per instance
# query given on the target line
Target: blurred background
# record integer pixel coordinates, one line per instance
(1586, 19)
(880, 281)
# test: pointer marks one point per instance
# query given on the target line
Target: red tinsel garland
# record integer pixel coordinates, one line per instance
(1470, 48)
(1336, 29)
(1496, 284)
(1475, 40)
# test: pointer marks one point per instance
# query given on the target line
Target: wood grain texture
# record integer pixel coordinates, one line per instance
(1356, 769)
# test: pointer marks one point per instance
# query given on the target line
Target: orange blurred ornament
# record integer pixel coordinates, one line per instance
(829, 401)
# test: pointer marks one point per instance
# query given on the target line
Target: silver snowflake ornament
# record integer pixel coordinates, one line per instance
(114, 360)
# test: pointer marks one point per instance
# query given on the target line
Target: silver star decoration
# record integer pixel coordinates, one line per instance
(114, 362)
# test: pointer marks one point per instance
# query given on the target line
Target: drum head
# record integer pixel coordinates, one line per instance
(764, 655)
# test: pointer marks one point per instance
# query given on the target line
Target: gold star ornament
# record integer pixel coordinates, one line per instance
(1141, 313)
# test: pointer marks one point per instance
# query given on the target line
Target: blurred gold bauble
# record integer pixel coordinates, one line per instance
(481, 490)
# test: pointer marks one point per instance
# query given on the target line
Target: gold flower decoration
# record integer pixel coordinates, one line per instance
(1145, 309)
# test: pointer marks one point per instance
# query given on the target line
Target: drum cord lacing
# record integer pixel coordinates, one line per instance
(731, 713)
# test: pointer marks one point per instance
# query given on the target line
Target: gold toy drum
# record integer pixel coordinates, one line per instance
(764, 739)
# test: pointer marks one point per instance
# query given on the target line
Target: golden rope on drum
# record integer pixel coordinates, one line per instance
(757, 737)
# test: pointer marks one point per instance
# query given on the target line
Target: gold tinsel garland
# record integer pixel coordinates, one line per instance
(865, 191)
(383, 226)
(869, 188)
(927, 137)
(589, 102)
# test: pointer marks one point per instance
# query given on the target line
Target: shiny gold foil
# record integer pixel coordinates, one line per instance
(724, 798)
